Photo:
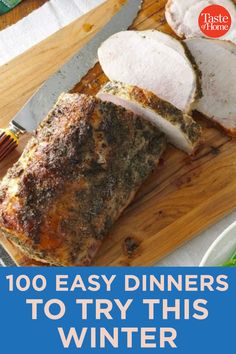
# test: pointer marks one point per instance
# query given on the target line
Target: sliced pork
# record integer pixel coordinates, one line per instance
(140, 59)
(217, 61)
(181, 130)
(182, 16)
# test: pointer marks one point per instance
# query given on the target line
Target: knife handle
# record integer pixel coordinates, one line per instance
(9, 139)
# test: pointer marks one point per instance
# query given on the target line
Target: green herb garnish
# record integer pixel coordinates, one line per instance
(231, 262)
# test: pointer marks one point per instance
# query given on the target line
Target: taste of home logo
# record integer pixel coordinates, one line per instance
(215, 21)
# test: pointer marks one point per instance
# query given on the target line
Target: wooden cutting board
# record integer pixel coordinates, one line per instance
(182, 198)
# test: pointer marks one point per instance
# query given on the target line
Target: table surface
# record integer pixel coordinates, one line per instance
(192, 252)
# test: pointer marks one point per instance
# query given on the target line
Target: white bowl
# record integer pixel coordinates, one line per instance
(222, 248)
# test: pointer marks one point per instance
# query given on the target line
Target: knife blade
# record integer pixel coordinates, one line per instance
(5, 259)
(37, 107)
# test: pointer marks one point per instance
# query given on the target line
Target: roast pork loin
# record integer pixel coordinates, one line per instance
(140, 59)
(181, 130)
(182, 16)
(76, 176)
(217, 62)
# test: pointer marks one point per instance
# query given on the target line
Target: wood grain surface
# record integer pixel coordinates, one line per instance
(182, 198)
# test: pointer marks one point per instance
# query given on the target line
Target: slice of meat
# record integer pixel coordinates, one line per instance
(182, 16)
(181, 130)
(166, 39)
(76, 176)
(181, 48)
(139, 59)
(217, 61)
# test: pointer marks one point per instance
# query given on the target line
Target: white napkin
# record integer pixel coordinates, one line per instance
(40, 24)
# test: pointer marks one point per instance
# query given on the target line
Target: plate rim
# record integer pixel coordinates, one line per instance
(214, 243)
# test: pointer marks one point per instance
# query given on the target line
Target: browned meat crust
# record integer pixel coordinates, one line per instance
(76, 175)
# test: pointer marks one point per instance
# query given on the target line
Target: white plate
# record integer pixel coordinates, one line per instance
(222, 248)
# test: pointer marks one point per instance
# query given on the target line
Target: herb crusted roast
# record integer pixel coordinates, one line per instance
(77, 174)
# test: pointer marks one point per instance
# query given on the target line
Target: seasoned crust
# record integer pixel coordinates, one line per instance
(79, 171)
(190, 129)
(198, 73)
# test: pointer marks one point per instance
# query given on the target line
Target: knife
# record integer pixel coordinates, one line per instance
(5, 259)
(38, 106)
